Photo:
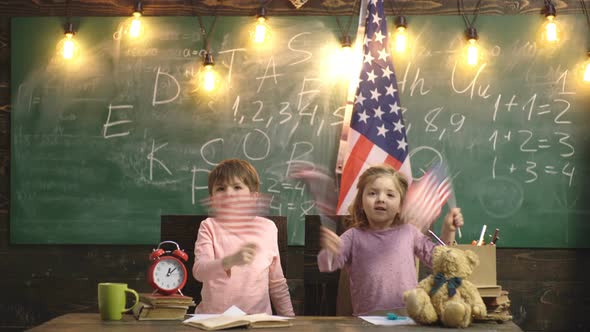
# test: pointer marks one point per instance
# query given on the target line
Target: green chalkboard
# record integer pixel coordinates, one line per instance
(512, 129)
(103, 146)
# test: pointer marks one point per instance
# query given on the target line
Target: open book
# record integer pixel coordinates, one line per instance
(251, 321)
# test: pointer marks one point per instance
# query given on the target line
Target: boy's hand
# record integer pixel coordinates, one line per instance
(330, 241)
(243, 256)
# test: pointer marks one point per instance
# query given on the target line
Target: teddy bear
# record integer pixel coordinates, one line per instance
(446, 296)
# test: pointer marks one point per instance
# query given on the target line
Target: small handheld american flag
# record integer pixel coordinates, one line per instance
(235, 213)
(322, 187)
(426, 197)
(241, 207)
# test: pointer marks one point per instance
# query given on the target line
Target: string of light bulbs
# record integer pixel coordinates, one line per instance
(470, 32)
(68, 48)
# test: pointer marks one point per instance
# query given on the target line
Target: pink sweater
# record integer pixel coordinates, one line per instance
(380, 264)
(248, 286)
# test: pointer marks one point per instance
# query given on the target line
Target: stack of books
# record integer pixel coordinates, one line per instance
(484, 278)
(498, 307)
(162, 307)
(489, 290)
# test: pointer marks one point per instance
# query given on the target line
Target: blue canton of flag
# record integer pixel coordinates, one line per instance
(378, 134)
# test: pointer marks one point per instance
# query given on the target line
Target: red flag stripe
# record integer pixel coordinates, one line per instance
(354, 165)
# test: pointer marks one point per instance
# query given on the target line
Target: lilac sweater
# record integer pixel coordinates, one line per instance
(380, 264)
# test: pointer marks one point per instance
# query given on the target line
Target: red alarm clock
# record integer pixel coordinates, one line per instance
(167, 274)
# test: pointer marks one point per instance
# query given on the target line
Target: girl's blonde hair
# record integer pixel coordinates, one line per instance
(357, 216)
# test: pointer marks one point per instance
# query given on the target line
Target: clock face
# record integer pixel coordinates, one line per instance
(169, 273)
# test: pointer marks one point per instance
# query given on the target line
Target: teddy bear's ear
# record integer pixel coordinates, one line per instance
(472, 257)
(437, 252)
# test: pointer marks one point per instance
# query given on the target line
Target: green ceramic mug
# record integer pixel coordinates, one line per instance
(112, 300)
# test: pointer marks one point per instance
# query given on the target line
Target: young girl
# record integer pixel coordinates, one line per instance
(237, 259)
(379, 248)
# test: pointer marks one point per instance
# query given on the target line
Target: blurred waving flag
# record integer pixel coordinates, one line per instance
(239, 207)
(377, 132)
(425, 198)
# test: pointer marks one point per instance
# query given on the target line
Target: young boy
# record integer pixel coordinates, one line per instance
(237, 259)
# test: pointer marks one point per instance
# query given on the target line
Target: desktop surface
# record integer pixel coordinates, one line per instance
(89, 322)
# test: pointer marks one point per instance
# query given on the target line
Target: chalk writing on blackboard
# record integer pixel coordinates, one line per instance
(100, 153)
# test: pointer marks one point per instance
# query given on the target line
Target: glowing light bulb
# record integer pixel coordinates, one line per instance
(340, 60)
(345, 58)
(209, 76)
(346, 51)
(587, 70)
(401, 39)
(209, 79)
(345, 44)
(472, 52)
(587, 73)
(551, 32)
(135, 28)
(551, 29)
(401, 36)
(69, 47)
(261, 30)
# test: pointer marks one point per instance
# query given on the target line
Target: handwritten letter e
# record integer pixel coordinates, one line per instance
(115, 123)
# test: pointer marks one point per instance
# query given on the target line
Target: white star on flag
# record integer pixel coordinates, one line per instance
(394, 108)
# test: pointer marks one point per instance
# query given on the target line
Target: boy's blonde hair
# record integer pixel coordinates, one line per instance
(229, 169)
(357, 216)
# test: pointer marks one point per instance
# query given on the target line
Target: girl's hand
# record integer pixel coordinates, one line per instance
(453, 220)
(330, 241)
(243, 256)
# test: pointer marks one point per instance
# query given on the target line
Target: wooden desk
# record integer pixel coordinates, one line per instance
(92, 322)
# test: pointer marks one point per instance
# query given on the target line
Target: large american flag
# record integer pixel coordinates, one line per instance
(377, 131)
